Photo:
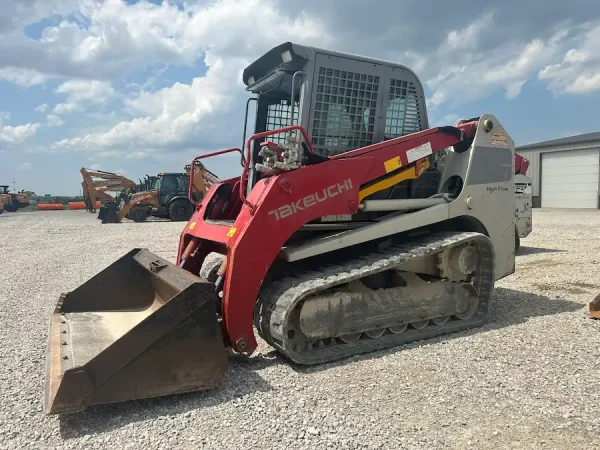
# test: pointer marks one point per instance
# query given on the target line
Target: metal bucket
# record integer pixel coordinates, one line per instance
(594, 308)
(110, 214)
(141, 328)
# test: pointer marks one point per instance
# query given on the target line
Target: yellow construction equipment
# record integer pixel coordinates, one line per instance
(13, 200)
(97, 184)
(168, 197)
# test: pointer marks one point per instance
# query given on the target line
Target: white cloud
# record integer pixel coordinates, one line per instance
(466, 38)
(81, 93)
(460, 58)
(469, 76)
(54, 120)
(137, 155)
(177, 115)
(24, 166)
(22, 77)
(15, 135)
(16, 14)
(579, 70)
(18, 134)
(42, 108)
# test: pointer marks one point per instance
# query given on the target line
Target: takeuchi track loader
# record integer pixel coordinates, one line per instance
(340, 237)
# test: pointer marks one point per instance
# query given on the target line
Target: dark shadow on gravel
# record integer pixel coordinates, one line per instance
(509, 307)
(131, 222)
(535, 250)
(239, 381)
(156, 220)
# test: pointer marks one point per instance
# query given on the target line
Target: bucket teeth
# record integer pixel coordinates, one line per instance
(141, 328)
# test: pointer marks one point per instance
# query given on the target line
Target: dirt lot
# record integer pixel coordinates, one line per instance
(528, 379)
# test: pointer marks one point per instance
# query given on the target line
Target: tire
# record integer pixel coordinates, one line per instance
(180, 210)
(10, 208)
(138, 214)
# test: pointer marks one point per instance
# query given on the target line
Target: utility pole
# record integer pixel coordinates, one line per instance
(14, 185)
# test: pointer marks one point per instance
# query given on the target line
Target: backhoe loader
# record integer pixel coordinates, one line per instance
(13, 200)
(340, 237)
(97, 184)
(6, 201)
(167, 198)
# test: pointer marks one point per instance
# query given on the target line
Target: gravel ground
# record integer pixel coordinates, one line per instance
(528, 379)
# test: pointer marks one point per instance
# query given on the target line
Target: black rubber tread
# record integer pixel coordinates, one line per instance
(278, 301)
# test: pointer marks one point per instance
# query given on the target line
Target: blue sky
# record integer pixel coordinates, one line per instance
(141, 87)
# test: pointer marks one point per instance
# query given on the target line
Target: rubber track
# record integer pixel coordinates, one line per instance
(278, 300)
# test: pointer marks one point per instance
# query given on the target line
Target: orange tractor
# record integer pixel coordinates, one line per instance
(97, 184)
(167, 198)
(13, 200)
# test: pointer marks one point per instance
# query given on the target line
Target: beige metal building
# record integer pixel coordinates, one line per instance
(565, 172)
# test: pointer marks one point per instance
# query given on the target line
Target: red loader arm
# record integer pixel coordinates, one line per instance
(251, 231)
(521, 165)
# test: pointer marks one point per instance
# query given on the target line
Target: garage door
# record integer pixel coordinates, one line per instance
(570, 179)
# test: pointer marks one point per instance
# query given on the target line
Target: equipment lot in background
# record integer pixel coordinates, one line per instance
(525, 379)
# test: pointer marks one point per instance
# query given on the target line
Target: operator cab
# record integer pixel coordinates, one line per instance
(171, 185)
(343, 101)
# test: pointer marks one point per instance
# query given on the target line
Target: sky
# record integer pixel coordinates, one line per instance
(140, 87)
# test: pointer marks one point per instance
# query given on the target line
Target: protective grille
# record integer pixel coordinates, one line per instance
(402, 115)
(279, 116)
(345, 109)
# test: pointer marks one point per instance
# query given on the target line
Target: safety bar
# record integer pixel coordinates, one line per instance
(468, 128)
(248, 158)
(246, 124)
(208, 155)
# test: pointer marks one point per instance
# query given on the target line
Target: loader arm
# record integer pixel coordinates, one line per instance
(280, 205)
(149, 198)
(130, 201)
(201, 180)
(96, 185)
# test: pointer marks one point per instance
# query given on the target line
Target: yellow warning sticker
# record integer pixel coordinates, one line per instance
(192, 225)
(231, 231)
(392, 164)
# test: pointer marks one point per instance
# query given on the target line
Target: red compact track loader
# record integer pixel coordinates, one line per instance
(341, 236)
